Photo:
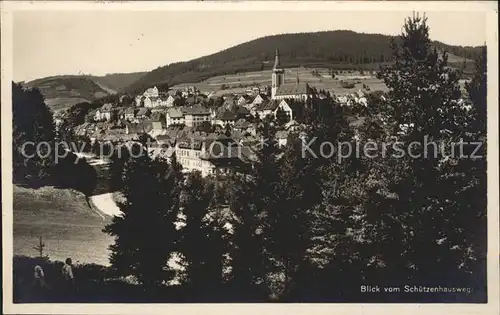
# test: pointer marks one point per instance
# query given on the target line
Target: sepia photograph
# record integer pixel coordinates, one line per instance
(208, 153)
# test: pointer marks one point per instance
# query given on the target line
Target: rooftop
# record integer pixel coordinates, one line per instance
(293, 89)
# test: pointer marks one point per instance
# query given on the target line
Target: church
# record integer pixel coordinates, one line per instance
(281, 91)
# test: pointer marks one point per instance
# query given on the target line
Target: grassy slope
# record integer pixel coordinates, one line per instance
(64, 220)
(239, 83)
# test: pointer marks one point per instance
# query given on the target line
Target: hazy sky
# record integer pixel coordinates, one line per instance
(99, 42)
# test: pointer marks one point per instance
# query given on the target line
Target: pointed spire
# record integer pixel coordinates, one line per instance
(276, 60)
(298, 81)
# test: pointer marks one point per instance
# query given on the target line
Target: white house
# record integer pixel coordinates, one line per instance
(265, 109)
(104, 113)
(170, 101)
(259, 99)
(212, 155)
(175, 117)
(151, 92)
(243, 100)
(284, 106)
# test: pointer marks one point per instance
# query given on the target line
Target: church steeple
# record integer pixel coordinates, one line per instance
(278, 75)
(276, 60)
(298, 81)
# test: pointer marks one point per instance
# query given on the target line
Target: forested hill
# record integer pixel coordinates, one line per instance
(60, 92)
(333, 49)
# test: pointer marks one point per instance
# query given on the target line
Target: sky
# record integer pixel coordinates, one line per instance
(49, 43)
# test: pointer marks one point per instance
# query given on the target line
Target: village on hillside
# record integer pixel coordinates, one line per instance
(315, 167)
(187, 121)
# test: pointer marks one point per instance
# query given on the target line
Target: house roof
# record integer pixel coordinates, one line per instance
(130, 110)
(196, 110)
(294, 89)
(262, 96)
(107, 107)
(246, 97)
(225, 115)
(142, 127)
(226, 148)
(143, 111)
(281, 134)
(241, 110)
(242, 123)
(270, 105)
(175, 113)
(157, 116)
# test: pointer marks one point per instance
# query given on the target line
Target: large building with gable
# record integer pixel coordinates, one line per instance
(281, 91)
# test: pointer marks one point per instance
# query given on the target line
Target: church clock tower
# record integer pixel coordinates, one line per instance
(278, 76)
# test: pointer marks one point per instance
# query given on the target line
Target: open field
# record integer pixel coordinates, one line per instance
(239, 83)
(63, 218)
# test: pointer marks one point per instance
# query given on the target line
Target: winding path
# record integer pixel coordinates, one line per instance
(106, 204)
(102, 203)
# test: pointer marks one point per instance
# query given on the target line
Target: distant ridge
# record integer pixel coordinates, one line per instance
(330, 49)
(339, 49)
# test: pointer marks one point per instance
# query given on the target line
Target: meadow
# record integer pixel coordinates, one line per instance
(316, 77)
(63, 218)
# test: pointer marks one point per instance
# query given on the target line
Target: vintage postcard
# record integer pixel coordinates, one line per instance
(243, 157)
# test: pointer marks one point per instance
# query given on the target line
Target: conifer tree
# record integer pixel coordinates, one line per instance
(145, 234)
(247, 254)
(288, 222)
(423, 102)
(31, 122)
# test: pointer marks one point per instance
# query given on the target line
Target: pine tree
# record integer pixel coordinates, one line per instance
(203, 240)
(424, 99)
(31, 122)
(247, 254)
(145, 235)
(288, 222)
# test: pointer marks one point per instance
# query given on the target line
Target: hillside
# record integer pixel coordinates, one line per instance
(64, 220)
(332, 49)
(118, 81)
(61, 92)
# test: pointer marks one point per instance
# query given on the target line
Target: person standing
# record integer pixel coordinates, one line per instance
(68, 278)
(39, 285)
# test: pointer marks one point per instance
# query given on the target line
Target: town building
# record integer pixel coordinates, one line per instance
(265, 109)
(259, 99)
(213, 155)
(244, 126)
(196, 115)
(129, 113)
(225, 117)
(292, 108)
(244, 100)
(280, 90)
(151, 92)
(104, 113)
(143, 113)
(175, 116)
